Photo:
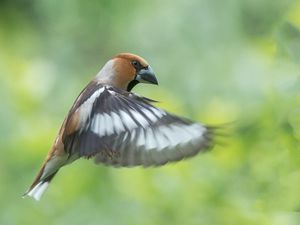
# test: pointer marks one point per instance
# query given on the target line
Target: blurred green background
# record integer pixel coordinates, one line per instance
(216, 61)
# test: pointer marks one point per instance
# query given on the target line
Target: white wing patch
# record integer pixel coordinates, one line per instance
(118, 124)
(86, 108)
(162, 140)
(143, 134)
(140, 118)
(128, 121)
(133, 133)
(150, 115)
(98, 125)
(150, 140)
(141, 138)
(158, 112)
(170, 136)
(109, 124)
(101, 125)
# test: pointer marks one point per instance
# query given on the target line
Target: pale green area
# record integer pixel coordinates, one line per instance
(216, 61)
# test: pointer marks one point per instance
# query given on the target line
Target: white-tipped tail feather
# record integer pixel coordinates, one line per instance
(38, 190)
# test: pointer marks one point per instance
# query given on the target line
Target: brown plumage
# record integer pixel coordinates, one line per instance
(116, 127)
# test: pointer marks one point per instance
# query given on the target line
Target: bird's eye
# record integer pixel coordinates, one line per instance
(136, 64)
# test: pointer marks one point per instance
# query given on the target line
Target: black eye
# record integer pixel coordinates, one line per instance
(136, 64)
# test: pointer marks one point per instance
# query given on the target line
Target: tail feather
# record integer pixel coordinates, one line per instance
(45, 175)
(37, 191)
(42, 180)
(39, 186)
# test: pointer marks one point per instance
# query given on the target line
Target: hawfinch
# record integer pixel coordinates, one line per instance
(116, 127)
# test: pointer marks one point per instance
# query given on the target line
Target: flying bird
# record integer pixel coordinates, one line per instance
(117, 127)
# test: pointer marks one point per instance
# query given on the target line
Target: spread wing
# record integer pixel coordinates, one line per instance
(122, 129)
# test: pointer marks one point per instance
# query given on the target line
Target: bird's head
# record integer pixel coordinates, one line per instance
(126, 70)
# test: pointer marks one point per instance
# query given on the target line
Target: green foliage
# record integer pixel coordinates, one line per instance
(216, 61)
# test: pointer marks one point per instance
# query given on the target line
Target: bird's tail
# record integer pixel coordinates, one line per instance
(40, 183)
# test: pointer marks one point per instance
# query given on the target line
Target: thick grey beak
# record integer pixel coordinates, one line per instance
(146, 75)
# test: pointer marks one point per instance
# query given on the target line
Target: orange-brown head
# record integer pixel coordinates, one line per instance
(125, 70)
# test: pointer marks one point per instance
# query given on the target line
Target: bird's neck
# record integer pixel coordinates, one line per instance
(108, 76)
